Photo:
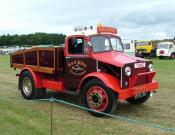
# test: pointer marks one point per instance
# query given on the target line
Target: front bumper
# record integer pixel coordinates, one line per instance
(131, 92)
(164, 55)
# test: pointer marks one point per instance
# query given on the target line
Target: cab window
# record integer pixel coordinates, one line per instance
(76, 45)
(126, 45)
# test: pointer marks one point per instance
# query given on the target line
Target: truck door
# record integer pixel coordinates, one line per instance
(78, 64)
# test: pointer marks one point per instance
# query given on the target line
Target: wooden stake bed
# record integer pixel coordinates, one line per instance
(46, 60)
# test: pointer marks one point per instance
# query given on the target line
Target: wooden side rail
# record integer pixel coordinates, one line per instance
(46, 60)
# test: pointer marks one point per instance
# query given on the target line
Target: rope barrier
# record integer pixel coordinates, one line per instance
(153, 125)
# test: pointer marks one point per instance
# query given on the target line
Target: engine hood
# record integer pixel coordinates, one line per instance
(118, 59)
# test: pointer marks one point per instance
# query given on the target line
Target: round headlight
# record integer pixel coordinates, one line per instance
(151, 67)
(127, 71)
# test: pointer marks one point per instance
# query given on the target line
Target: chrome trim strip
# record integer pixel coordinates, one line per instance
(96, 65)
(121, 79)
(79, 56)
(97, 69)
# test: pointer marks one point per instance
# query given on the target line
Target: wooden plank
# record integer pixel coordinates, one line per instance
(54, 59)
(58, 52)
(16, 53)
(34, 68)
(38, 57)
(24, 58)
(20, 66)
(46, 70)
(47, 49)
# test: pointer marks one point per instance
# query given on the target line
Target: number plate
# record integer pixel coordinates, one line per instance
(142, 94)
(139, 65)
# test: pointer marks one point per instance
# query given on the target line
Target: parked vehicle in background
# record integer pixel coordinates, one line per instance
(129, 47)
(166, 49)
(145, 49)
(9, 50)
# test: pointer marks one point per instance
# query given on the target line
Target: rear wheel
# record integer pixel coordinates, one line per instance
(26, 85)
(99, 98)
(140, 100)
(41, 93)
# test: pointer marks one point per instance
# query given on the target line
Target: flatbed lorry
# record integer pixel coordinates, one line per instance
(91, 65)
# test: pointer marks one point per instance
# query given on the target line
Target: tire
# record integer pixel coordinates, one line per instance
(172, 56)
(140, 100)
(27, 87)
(161, 57)
(96, 96)
(152, 54)
(41, 93)
(140, 55)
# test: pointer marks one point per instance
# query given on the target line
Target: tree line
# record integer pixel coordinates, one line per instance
(32, 39)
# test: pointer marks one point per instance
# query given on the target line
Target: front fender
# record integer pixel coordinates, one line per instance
(109, 80)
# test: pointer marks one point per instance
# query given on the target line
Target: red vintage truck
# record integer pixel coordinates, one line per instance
(91, 65)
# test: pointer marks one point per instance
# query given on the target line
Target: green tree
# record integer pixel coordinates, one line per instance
(32, 39)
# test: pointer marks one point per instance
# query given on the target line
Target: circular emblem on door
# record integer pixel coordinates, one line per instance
(77, 67)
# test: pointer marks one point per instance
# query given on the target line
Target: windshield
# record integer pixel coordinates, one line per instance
(142, 43)
(165, 46)
(106, 43)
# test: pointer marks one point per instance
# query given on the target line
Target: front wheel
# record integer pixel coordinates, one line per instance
(161, 57)
(140, 100)
(172, 56)
(140, 54)
(152, 54)
(99, 98)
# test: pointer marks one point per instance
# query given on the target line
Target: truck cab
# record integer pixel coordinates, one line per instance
(166, 49)
(92, 65)
(145, 49)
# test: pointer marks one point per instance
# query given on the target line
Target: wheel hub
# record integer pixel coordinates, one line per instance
(97, 98)
(27, 86)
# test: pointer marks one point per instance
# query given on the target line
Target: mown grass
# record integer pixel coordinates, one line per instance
(21, 117)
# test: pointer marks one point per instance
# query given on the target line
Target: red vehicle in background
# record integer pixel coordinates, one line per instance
(91, 65)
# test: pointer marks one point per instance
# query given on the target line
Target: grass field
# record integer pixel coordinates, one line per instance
(21, 117)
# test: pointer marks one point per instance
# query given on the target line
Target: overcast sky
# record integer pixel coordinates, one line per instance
(135, 19)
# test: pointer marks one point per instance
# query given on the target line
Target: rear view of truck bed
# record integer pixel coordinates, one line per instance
(46, 60)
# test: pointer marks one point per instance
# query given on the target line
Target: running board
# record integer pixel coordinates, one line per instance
(71, 92)
(57, 86)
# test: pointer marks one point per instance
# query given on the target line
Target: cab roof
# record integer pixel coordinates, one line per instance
(168, 43)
